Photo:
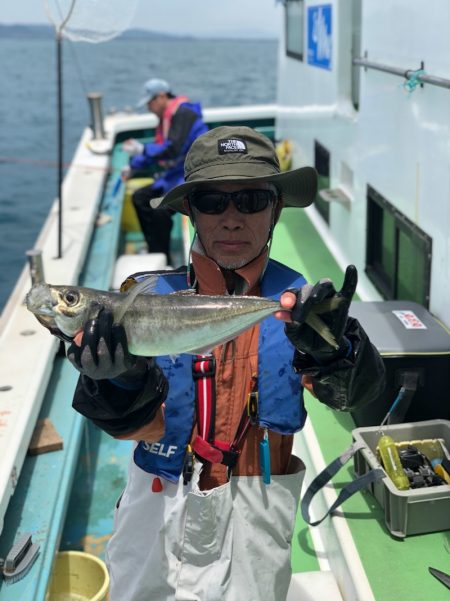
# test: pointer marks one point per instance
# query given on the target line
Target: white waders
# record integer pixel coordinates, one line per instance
(232, 543)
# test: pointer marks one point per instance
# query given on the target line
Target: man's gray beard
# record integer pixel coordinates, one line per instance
(238, 263)
(233, 264)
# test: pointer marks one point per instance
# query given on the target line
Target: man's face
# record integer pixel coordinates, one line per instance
(233, 239)
(157, 104)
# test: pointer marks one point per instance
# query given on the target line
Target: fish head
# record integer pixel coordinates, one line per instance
(62, 308)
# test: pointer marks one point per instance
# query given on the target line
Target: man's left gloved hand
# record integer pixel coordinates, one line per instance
(133, 147)
(103, 351)
(322, 301)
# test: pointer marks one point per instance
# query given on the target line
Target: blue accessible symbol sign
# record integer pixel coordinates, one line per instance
(319, 36)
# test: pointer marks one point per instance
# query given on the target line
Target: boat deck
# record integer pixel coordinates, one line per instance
(395, 569)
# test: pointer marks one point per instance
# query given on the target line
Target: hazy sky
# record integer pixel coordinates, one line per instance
(197, 17)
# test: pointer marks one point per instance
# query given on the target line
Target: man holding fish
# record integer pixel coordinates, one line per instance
(209, 508)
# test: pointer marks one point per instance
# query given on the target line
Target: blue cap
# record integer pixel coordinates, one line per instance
(152, 88)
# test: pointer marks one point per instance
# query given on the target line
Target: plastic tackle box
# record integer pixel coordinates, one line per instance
(413, 511)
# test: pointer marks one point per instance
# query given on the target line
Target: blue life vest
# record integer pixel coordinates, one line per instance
(280, 395)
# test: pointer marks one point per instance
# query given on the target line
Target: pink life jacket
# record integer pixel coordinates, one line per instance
(162, 131)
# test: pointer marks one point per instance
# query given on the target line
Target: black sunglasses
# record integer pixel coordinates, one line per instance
(246, 201)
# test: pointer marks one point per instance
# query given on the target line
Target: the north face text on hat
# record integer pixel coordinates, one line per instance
(232, 145)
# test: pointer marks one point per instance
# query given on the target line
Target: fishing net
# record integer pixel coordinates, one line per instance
(92, 21)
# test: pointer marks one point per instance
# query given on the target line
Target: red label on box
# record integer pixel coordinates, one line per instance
(410, 320)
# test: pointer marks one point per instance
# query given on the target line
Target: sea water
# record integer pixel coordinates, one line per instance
(214, 72)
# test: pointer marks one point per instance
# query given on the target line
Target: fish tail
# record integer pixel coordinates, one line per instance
(317, 324)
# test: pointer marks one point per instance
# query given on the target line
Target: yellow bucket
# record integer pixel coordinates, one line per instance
(130, 222)
(78, 576)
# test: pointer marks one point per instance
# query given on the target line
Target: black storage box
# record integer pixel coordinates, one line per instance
(410, 341)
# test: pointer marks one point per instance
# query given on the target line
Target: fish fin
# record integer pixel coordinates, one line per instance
(317, 324)
(329, 304)
(147, 285)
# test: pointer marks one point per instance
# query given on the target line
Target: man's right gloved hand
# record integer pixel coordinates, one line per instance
(103, 353)
(306, 339)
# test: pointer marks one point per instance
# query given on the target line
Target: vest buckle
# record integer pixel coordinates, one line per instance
(203, 367)
(188, 466)
(252, 407)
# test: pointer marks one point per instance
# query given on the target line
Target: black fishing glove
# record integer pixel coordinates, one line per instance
(306, 339)
(103, 353)
(118, 409)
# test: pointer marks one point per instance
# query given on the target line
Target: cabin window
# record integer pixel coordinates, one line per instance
(356, 51)
(398, 257)
(322, 165)
(294, 28)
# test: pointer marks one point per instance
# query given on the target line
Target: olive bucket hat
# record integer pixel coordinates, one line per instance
(239, 155)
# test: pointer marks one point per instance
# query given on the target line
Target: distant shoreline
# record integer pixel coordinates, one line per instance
(40, 32)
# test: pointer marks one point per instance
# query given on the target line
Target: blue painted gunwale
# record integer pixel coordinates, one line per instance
(39, 503)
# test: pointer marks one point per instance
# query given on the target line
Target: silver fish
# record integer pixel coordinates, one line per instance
(155, 324)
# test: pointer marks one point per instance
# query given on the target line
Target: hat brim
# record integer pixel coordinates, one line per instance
(298, 188)
(143, 101)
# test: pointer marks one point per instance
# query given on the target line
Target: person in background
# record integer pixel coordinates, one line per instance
(209, 509)
(180, 123)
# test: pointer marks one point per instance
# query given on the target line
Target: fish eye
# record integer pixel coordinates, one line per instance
(71, 297)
